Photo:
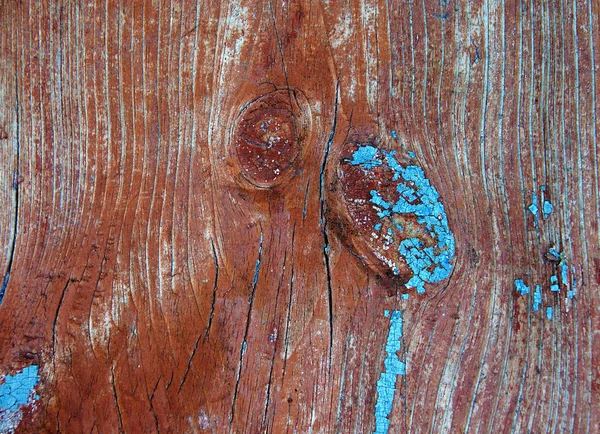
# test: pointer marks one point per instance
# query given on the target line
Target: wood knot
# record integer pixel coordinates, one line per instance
(390, 214)
(268, 138)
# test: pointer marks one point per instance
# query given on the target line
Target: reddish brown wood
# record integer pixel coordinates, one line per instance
(166, 278)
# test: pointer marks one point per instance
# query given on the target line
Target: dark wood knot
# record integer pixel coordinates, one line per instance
(268, 138)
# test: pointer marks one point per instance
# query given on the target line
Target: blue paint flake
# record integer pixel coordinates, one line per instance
(412, 155)
(419, 198)
(394, 135)
(404, 296)
(521, 287)
(377, 226)
(386, 386)
(533, 207)
(564, 268)
(547, 208)
(554, 284)
(537, 298)
(571, 293)
(15, 393)
(365, 155)
(549, 312)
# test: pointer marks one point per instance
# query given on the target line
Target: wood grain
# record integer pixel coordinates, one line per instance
(159, 290)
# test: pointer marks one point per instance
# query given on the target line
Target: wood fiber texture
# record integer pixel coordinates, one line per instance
(160, 289)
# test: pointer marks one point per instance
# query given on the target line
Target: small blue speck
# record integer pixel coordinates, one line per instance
(549, 312)
(412, 154)
(404, 296)
(377, 226)
(394, 134)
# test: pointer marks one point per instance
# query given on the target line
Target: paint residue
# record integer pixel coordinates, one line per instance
(554, 284)
(417, 197)
(547, 208)
(15, 393)
(521, 287)
(549, 312)
(537, 298)
(386, 386)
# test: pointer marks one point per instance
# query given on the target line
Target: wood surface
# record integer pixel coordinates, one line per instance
(160, 290)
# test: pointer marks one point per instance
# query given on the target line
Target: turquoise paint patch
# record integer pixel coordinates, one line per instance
(549, 313)
(521, 287)
(386, 386)
(15, 393)
(394, 135)
(377, 226)
(533, 207)
(404, 296)
(412, 155)
(554, 284)
(547, 208)
(419, 198)
(365, 156)
(564, 268)
(537, 298)
(16, 388)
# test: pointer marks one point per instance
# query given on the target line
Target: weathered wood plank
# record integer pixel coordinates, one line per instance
(163, 280)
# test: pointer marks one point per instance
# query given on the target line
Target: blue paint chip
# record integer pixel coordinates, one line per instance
(386, 313)
(549, 313)
(386, 386)
(564, 268)
(571, 293)
(412, 155)
(377, 226)
(404, 296)
(365, 155)
(547, 209)
(554, 284)
(537, 298)
(521, 287)
(394, 135)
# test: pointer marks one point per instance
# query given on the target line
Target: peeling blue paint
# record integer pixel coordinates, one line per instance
(377, 226)
(404, 296)
(537, 298)
(386, 386)
(412, 155)
(419, 198)
(521, 287)
(549, 313)
(533, 208)
(394, 135)
(547, 208)
(364, 155)
(15, 393)
(564, 268)
(554, 284)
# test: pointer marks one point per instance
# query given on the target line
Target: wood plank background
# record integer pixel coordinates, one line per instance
(159, 291)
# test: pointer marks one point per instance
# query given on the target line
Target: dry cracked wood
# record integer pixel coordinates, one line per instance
(163, 280)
